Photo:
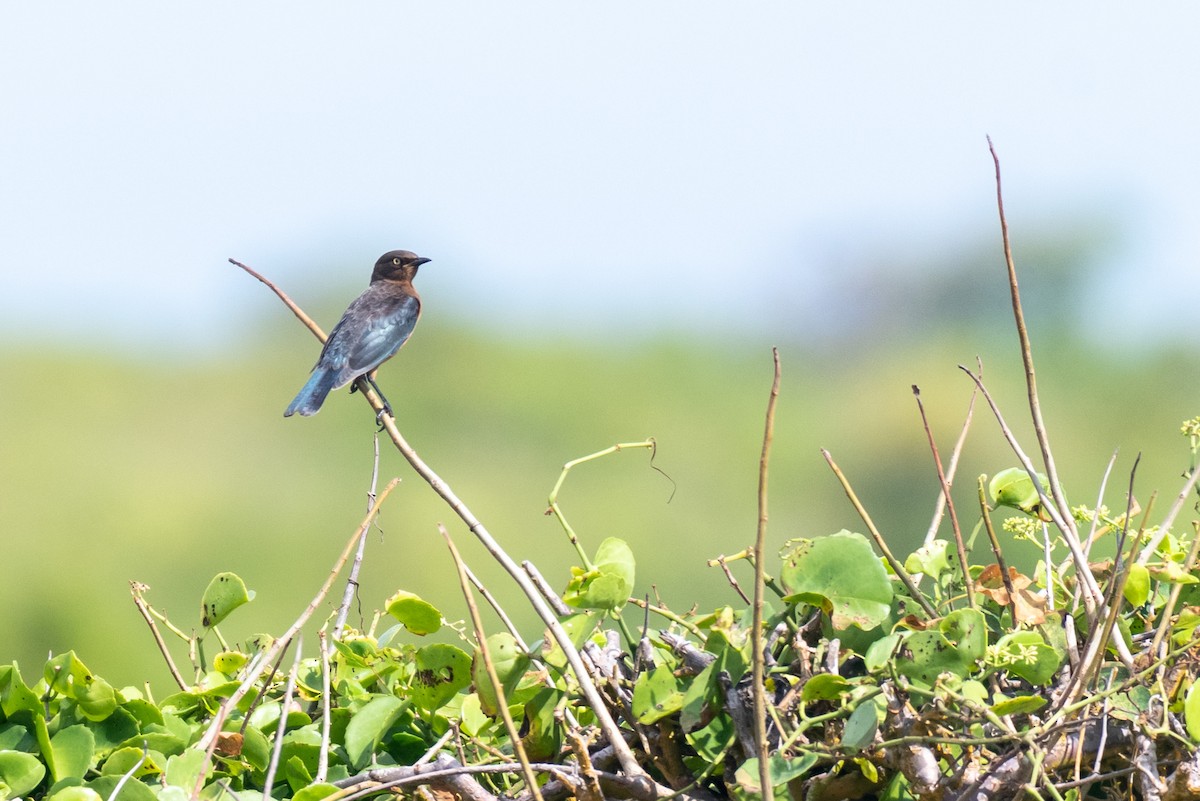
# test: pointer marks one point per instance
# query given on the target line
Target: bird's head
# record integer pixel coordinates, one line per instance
(397, 265)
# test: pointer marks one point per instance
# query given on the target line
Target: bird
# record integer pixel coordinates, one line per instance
(374, 326)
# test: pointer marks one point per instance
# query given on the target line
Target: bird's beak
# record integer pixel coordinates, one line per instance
(419, 261)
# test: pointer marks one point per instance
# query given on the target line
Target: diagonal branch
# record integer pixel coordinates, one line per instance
(595, 701)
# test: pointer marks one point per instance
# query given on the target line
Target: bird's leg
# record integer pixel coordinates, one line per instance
(387, 407)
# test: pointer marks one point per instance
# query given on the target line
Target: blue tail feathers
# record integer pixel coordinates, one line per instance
(309, 401)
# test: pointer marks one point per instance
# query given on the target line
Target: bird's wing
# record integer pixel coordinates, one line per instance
(387, 324)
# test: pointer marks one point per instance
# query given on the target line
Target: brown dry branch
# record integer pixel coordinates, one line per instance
(959, 545)
(756, 629)
(490, 666)
(611, 731)
(939, 507)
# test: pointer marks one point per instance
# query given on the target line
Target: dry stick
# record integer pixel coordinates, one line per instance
(1093, 595)
(1091, 537)
(880, 543)
(987, 524)
(939, 507)
(326, 717)
(137, 588)
(489, 665)
(1095, 645)
(603, 717)
(1035, 407)
(498, 609)
(1165, 526)
(356, 566)
(281, 729)
(756, 633)
(958, 538)
(209, 740)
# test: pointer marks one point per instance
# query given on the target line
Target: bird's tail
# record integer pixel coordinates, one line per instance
(309, 401)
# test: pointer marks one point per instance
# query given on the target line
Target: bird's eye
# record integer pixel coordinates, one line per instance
(395, 260)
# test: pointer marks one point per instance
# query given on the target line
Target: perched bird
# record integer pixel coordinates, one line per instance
(373, 328)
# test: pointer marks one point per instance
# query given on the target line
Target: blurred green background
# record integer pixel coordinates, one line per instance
(166, 470)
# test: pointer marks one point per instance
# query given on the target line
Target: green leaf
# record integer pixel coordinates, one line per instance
(1137, 586)
(130, 791)
(543, 737)
(315, 792)
(417, 615)
(225, 593)
(75, 793)
(1027, 656)
(929, 559)
(68, 676)
(441, 671)
(230, 662)
(510, 664)
(712, 740)
(19, 773)
(1020, 705)
(368, 726)
(72, 748)
(656, 695)
(861, 726)
(841, 575)
(780, 769)
(184, 769)
(14, 695)
(1014, 488)
(1191, 712)
(610, 581)
(824, 687)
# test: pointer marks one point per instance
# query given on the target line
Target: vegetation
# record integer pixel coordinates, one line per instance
(961, 666)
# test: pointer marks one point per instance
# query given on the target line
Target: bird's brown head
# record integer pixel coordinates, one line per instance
(397, 265)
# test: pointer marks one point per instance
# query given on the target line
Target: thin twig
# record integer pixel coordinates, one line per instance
(960, 546)
(756, 629)
(351, 590)
(880, 542)
(939, 507)
(489, 665)
(254, 670)
(595, 701)
(985, 510)
(288, 691)
(1035, 408)
(326, 712)
(1164, 527)
(296, 310)
(138, 588)
(1093, 594)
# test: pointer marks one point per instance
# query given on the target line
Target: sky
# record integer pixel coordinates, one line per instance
(608, 169)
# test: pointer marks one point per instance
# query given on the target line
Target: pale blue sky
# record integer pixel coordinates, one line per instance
(596, 167)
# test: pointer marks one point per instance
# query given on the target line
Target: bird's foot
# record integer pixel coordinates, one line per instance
(387, 409)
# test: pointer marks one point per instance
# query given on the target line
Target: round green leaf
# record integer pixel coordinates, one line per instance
(367, 727)
(824, 687)
(1027, 656)
(608, 584)
(19, 773)
(1020, 705)
(1191, 712)
(441, 671)
(656, 695)
(417, 615)
(225, 593)
(1014, 488)
(510, 664)
(72, 748)
(841, 575)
